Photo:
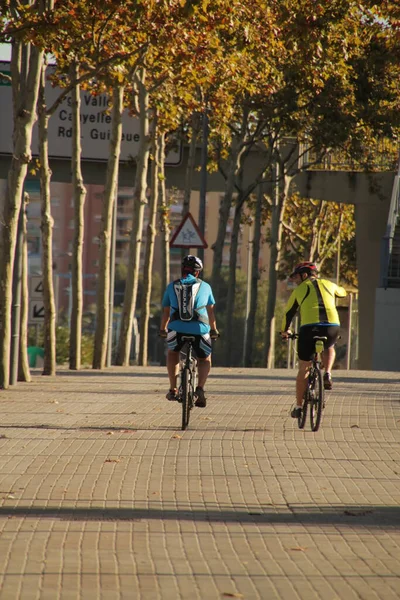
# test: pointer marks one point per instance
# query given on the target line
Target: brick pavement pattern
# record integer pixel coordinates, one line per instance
(102, 496)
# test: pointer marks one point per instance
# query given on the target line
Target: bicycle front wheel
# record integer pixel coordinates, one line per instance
(186, 401)
(317, 400)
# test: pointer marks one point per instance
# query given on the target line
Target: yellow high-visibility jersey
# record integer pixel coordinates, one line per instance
(316, 300)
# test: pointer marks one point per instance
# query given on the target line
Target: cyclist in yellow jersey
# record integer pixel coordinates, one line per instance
(316, 300)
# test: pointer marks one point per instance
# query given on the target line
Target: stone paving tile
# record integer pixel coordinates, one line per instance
(102, 495)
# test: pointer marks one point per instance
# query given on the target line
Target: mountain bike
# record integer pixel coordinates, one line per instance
(188, 379)
(314, 394)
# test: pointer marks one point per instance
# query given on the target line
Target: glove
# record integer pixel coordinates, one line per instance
(162, 333)
(214, 334)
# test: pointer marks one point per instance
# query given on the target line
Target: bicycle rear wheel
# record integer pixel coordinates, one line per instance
(317, 400)
(186, 400)
(301, 421)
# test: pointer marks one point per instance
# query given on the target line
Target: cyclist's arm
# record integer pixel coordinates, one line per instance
(211, 316)
(340, 292)
(165, 318)
(290, 311)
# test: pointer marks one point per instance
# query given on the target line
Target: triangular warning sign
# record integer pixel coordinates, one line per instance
(188, 235)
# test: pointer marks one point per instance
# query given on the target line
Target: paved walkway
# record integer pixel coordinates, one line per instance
(102, 496)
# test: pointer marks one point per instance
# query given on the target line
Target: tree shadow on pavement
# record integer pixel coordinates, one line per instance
(368, 516)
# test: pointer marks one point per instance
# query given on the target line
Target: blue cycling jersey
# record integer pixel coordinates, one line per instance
(203, 298)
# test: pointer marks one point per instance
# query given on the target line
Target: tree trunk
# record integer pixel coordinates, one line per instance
(16, 299)
(190, 167)
(79, 195)
(191, 163)
(110, 193)
(229, 335)
(49, 366)
(224, 210)
(26, 63)
(135, 243)
(149, 252)
(164, 217)
(255, 277)
(236, 152)
(278, 208)
(23, 364)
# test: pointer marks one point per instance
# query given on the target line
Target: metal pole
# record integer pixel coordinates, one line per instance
(338, 260)
(248, 291)
(112, 284)
(294, 344)
(289, 354)
(350, 324)
(203, 181)
(16, 293)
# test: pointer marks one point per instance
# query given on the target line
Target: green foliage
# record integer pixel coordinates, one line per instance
(239, 323)
(314, 230)
(35, 338)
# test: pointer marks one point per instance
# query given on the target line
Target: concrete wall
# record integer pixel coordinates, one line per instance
(371, 195)
(386, 347)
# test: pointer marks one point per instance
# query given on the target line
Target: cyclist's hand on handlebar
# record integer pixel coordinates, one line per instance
(214, 334)
(286, 334)
(163, 333)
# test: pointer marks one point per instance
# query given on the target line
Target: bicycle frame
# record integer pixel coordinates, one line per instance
(314, 394)
(188, 380)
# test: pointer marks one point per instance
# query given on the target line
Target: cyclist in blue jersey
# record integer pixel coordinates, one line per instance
(188, 308)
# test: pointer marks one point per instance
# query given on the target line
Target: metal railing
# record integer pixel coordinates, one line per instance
(383, 157)
(386, 277)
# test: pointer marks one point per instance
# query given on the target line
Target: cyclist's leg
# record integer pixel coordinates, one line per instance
(329, 354)
(328, 358)
(305, 349)
(301, 381)
(204, 366)
(203, 349)
(172, 367)
(174, 346)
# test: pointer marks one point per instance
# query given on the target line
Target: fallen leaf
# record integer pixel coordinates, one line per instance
(110, 433)
(177, 437)
(113, 460)
(128, 430)
(53, 401)
(231, 595)
(299, 549)
(3, 436)
(355, 427)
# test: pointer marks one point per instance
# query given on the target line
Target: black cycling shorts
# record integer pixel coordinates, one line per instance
(306, 343)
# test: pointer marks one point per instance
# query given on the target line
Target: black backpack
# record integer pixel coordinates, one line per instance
(186, 294)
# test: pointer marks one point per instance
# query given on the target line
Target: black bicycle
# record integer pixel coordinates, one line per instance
(314, 394)
(188, 379)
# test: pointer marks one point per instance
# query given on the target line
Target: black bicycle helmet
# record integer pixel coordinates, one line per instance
(305, 267)
(192, 263)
